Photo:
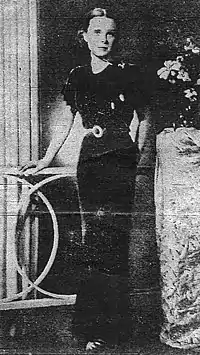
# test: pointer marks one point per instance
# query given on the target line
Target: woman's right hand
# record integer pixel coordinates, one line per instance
(33, 167)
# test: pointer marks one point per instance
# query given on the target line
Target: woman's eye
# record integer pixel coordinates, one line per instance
(97, 32)
(111, 34)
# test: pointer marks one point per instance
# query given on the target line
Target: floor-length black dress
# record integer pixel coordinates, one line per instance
(106, 179)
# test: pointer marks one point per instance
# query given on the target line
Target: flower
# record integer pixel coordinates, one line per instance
(191, 46)
(169, 67)
(183, 75)
(191, 94)
(183, 71)
(180, 58)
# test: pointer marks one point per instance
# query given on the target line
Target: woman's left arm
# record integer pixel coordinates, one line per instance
(146, 136)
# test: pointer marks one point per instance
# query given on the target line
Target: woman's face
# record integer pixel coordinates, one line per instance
(100, 36)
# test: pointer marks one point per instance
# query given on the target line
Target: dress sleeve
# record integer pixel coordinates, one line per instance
(70, 89)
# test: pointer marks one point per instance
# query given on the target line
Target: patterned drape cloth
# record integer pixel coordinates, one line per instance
(177, 197)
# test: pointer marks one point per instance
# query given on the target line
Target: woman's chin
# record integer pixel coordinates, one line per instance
(101, 55)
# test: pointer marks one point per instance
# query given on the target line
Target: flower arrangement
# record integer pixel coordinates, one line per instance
(183, 73)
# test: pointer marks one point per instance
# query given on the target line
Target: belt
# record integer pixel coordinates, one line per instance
(98, 131)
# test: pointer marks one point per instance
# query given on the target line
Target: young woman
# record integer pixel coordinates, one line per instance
(105, 93)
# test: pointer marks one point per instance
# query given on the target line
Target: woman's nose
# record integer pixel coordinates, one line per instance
(104, 38)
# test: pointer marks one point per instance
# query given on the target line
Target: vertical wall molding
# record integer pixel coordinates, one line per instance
(19, 122)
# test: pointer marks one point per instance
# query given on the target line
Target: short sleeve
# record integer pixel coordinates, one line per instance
(69, 90)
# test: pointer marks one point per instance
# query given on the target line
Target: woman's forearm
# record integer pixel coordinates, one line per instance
(146, 138)
(146, 128)
(59, 137)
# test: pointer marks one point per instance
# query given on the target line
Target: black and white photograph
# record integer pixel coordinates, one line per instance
(99, 177)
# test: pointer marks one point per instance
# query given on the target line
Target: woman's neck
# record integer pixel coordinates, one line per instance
(98, 64)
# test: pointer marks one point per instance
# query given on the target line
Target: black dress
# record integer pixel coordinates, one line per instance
(106, 179)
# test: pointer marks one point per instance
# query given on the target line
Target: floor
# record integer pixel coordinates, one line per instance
(47, 331)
